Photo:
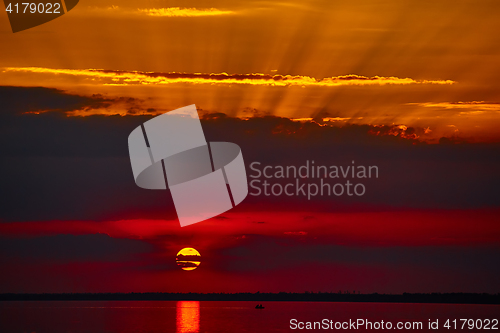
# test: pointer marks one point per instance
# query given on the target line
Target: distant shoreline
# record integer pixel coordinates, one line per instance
(445, 298)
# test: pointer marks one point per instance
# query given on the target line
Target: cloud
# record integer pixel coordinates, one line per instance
(264, 253)
(117, 77)
(16, 100)
(78, 168)
(358, 227)
(183, 12)
(60, 167)
(272, 260)
(160, 12)
(71, 248)
(38, 100)
(476, 107)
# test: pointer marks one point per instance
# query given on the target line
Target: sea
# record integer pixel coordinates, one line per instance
(224, 316)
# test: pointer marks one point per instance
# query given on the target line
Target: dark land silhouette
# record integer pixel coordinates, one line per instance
(457, 298)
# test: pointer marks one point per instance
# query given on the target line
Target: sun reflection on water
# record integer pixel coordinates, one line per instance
(188, 316)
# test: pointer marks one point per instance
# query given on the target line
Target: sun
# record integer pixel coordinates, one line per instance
(188, 258)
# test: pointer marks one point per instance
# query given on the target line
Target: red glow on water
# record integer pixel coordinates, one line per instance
(188, 316)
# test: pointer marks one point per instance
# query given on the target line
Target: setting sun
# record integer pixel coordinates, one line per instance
(188, 259)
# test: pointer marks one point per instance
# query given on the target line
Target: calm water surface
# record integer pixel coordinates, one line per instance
(205, 316)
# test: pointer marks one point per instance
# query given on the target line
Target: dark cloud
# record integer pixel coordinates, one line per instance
(138, 76)
(77, 168)
(17, 100)
(411, 173)
(22, 100)
(70, 248)
(260, 253)
(274, 261)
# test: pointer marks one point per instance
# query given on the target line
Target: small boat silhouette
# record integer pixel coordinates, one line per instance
(259, 306)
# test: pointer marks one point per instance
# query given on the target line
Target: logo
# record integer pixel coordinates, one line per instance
(205, 179)
(25, 15)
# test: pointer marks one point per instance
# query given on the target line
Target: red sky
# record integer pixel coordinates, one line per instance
(410, 87)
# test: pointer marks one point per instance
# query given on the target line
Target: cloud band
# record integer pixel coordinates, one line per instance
(118, 77)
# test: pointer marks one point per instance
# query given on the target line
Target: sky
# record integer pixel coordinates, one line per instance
(410, 87)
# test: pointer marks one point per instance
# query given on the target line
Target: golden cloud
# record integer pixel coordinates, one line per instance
(327, 119)
(117, 77)
(183, 12)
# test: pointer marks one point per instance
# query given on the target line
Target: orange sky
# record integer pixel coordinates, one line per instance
(427, 65)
